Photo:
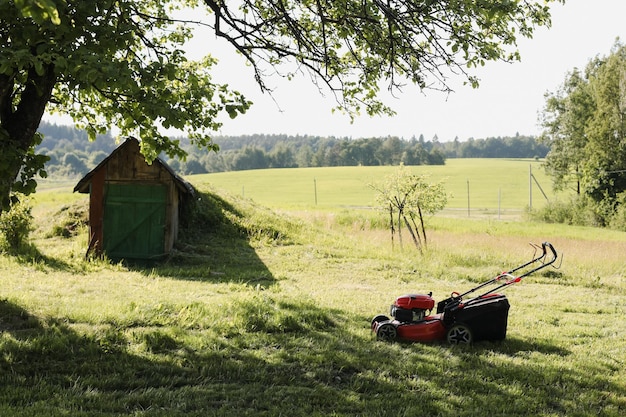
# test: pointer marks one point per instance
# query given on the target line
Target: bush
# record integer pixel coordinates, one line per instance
(583, 212)
(577, 211)
(16, 225)
(618, 219)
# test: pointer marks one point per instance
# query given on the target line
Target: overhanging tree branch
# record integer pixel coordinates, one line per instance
(100, 49)
(376, 40)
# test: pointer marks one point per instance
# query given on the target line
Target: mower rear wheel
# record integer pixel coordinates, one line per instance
(387, 331)
(460, 334)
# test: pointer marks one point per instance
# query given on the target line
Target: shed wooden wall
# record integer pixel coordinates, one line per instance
(129, 166)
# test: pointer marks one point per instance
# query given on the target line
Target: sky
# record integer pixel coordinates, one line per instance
(508, 101)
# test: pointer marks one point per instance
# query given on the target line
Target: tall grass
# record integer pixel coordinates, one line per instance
(262, 313)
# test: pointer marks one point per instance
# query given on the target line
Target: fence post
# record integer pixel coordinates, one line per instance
(499, 200)
(530, 187)
(468, 199)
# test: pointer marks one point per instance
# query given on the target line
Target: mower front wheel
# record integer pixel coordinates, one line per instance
(387, 331)
(460, 334)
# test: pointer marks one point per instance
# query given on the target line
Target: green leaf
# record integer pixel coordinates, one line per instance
(38, 68)
(39, 10)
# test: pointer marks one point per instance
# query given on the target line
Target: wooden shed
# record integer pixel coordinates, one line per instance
(134, 207)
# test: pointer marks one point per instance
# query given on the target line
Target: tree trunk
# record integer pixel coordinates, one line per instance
(414, 225)
(415, 241)
(419, 212)
(18, 125)
(400, 215)
(391, 225)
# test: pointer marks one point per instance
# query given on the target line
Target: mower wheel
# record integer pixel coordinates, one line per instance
(378, 319)
(460, 334)
(387, 331)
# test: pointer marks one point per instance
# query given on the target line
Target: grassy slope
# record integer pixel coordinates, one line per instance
(259, 313)
(492, 182)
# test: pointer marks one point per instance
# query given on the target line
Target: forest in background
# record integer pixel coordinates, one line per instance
(72, 154)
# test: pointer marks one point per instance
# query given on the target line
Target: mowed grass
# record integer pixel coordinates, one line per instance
(261, 312)
(490, 183)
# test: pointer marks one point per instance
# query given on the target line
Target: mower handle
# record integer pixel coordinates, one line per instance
(544, 252)
(510, 278)
(545, 246)
(544, 249)
(549, 246)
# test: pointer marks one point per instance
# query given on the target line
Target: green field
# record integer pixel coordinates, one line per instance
(492, 184)
(266, 311)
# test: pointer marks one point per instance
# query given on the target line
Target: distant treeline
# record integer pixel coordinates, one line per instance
(71, 153)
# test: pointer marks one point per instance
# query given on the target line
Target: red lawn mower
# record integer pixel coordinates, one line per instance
(457, 320)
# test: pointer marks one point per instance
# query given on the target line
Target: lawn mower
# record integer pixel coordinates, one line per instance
(459, 320)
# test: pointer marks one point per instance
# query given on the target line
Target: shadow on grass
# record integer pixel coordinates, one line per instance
(28, 254)
(510, 347)
(274, 358)
(216, 245)
(513, 346)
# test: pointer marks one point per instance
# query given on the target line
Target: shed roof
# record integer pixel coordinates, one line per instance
(83, 185)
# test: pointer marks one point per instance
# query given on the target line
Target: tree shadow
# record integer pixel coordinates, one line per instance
(48, 368)
(278, 358)
(519, 377)
(28, 254)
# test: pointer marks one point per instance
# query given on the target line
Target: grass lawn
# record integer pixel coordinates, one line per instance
(263, 312)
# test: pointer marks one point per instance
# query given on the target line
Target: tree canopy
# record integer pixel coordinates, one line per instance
(585, 124)
(122, 63)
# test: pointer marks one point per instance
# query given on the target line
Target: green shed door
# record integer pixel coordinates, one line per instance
(134, 220)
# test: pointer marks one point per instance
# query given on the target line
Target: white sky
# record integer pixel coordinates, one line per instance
(507, 102)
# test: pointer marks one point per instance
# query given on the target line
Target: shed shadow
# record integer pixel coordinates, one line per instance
(216, 244)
